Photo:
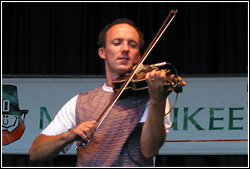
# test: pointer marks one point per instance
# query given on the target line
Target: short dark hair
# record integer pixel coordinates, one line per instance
(102, 35)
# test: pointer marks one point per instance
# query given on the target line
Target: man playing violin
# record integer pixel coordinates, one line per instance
(132, 133)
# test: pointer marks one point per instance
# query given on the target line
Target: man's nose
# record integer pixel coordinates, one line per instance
(125, 46)
(125, 49)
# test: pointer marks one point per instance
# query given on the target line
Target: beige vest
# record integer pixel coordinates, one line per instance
(117, 141)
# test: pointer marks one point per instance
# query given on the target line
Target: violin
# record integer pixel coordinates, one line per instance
(138, 81)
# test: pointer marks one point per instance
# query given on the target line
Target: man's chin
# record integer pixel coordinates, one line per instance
(124, 70)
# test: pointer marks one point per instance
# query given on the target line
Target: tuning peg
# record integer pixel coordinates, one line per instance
(183, 83)
(179, 79)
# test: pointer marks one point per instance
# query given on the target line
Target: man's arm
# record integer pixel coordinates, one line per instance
(47, 147)
(154, 132)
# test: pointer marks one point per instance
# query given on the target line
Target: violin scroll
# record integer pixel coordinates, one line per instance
(175, 85)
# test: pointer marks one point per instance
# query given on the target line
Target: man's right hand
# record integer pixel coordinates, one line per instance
(84, 131)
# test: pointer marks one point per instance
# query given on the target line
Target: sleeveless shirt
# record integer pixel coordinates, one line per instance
(117, 140)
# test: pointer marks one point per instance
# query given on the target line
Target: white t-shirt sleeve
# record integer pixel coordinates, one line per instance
(167, 119)
(63, 121)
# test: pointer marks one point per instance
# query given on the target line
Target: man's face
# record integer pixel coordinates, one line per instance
(12, 128)
(9, 122)
(122, 49)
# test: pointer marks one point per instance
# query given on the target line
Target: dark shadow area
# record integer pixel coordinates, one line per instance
(161, 161)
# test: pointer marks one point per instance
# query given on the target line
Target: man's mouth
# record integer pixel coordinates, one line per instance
(123, 58)
(123, 61)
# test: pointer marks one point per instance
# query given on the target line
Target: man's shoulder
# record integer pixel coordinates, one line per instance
(92, 91)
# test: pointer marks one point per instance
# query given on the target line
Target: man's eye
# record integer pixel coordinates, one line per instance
(133, 45)
(116, 42)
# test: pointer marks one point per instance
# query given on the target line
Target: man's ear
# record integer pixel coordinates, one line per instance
(101, 53)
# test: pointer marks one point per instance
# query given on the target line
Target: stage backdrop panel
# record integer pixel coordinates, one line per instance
(210, 117)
